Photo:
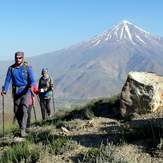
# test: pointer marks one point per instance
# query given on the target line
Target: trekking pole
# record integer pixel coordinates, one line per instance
(53, 101)
(3, 126)
(34, 110)
(39, 102)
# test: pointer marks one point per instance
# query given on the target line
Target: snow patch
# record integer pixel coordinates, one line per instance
(140, 39)
(98, 41)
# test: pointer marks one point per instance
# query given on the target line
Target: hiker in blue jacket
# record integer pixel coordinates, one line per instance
(22, 78)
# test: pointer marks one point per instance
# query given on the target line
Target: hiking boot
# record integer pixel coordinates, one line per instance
(23, 133)
(49, 116)
(27, 130)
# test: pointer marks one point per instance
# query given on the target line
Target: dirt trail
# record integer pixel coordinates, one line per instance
(100, 129)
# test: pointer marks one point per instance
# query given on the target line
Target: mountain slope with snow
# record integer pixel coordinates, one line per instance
(98, 66)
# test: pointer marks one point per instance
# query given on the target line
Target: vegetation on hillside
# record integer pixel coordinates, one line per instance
(42, 141)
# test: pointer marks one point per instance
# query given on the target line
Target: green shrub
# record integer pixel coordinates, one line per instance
(41, 134)
(152, 129)
(61, 145)
(96, 107)
(106, 153)
(72, 114)
(91, 154)
(9, 129)
(72, 124)
(108, 105)
(89, 114)
(27, 152)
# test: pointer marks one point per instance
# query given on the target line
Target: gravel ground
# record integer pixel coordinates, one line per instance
(101, 129)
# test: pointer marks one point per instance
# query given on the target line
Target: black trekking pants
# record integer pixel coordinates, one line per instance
(45, 107)
(21, 103)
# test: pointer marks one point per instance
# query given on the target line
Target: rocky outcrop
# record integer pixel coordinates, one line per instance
(142, 93)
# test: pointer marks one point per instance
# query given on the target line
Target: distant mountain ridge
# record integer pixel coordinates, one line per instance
(98, 66)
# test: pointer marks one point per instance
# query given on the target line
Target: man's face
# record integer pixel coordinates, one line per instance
(18, 60)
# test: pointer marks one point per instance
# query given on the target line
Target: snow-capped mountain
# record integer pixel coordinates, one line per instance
(124, 32)
(99, 66)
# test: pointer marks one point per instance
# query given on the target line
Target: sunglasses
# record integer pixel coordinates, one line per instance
(18, 57)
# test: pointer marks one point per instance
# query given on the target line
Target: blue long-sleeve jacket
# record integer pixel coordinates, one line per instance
(20, 81)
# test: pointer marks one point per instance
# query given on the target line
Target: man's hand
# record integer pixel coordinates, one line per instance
(3, 93)
(31, 89)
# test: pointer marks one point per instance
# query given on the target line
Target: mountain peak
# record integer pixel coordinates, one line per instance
(121, 33)
(126, 31)
(124, 22)
(122, 30)
(125, 26)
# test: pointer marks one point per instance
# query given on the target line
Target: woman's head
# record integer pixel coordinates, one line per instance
(44, 72)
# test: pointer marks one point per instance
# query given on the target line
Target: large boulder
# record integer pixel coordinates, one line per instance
(142, 93)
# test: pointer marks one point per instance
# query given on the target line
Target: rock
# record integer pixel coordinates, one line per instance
(63, 129)
(142, 93)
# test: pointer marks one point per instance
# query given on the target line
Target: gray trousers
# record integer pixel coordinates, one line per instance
(29, 115)
(21, 103)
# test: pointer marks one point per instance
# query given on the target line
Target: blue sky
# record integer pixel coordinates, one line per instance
(40, 26)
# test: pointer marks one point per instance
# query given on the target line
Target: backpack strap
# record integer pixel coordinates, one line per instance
(25, 68)
(12, 68)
